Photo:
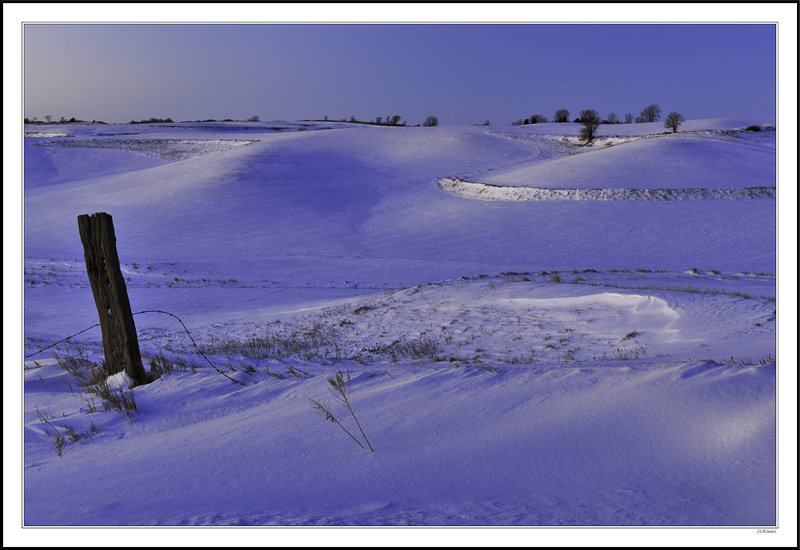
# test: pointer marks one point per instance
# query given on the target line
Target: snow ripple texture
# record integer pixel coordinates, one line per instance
(489, 192)
(168, 149)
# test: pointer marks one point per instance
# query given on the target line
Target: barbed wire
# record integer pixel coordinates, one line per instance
(139, 313)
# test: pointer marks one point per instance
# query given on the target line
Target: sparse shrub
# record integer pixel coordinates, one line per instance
(523, 359)
(74, 436)
(58, 444)
(85, 371)
(483, 366)
(555, 278)
(296, 372)
(340, 388)
(317, 340)
(94, 379)
(325, 409)
(116, 400)
(160, 365)
(45, 385)
(423, 348)
(568, 356)
(624, 354)
(630, 335)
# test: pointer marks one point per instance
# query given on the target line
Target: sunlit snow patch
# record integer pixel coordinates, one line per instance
(120, 381)
(47, 134)
(610, 315)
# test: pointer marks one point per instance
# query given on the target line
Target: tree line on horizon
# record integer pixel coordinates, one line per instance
(651, 113)
(590, 119)
(390, 120)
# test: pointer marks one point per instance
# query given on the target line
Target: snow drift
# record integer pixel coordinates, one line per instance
(513, 362)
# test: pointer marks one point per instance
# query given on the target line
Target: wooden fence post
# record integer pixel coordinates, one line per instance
(120, 343)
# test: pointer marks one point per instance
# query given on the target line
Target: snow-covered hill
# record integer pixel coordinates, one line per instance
(512, 362)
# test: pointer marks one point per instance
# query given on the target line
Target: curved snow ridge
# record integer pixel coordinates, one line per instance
(490, 192)
(48, 134)
(168, 149)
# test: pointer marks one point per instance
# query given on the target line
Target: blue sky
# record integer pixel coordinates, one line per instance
(464, 74)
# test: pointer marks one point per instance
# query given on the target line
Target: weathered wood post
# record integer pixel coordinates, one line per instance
(120, 343)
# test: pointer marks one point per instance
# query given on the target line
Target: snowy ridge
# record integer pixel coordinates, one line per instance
(170, 149)
(490, 192)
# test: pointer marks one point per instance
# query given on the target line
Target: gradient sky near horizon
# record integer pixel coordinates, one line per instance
(463, 74)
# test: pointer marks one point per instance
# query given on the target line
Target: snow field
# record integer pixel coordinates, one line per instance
(512, 362)
(528, 446)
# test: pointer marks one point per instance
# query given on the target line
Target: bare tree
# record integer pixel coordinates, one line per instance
(651, 113)
(590, 121)
(254, 118)
(612, 118)
(673, 121)
(431, 121)
(562, 115)
(538, 119)
(378, 120)
(628, 118)
(48, 117)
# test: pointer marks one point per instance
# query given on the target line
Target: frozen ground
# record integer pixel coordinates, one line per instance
(512, 362)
